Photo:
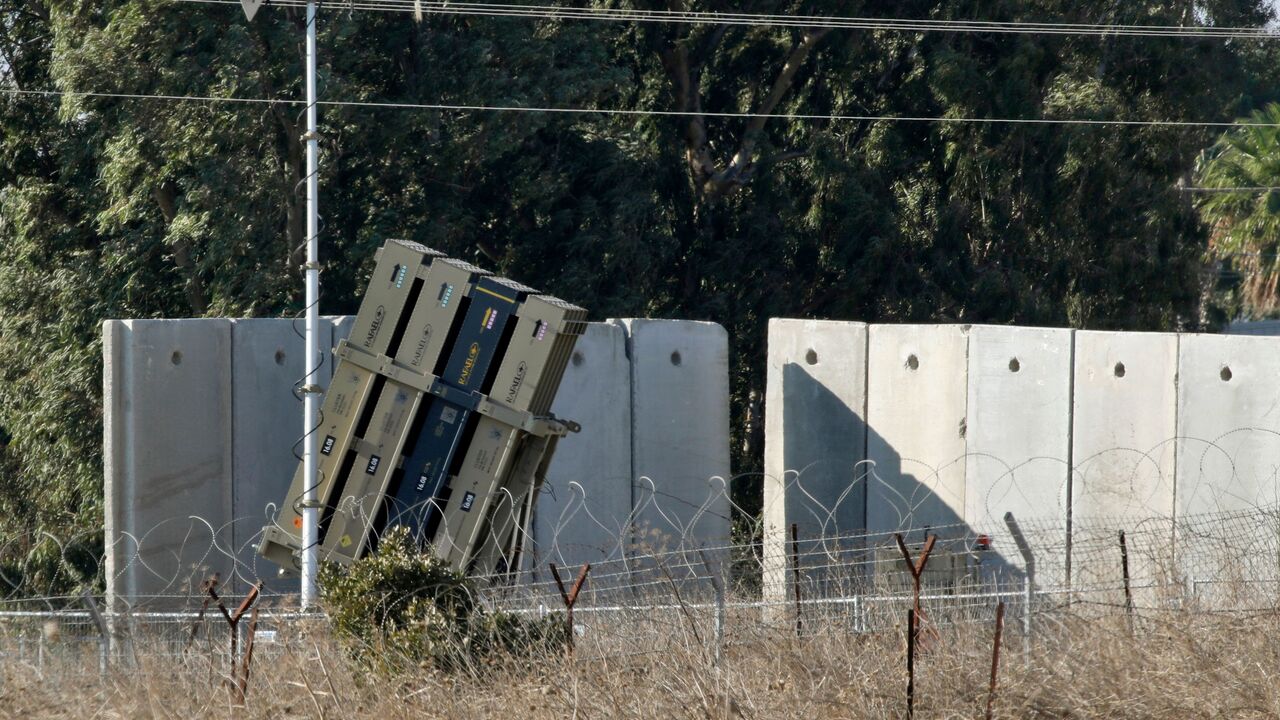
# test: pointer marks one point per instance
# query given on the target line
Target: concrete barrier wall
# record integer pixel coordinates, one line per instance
(966, 423)
(1124, 424)
(1018, 424)
(1124, 442)
(167, 385)
(680, 432)
(201, 425)
(583, 512)
(1228, 423)
(916, 404)
(1228, 455)
(199, 437)
(816, 478)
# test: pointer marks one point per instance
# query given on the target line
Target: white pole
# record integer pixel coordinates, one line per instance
(311, 398)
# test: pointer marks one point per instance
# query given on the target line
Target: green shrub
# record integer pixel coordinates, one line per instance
(399, 606)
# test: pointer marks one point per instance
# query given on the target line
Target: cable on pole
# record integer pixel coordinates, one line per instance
(823, 117)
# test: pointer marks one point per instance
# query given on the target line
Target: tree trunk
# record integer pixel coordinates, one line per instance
(166, 197)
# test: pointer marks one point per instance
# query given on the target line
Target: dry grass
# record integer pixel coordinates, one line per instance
(1176, 665)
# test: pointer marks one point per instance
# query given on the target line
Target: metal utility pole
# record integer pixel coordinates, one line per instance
(310, 388)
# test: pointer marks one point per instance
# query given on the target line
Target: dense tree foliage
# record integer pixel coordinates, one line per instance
(115, 207)
(1240, 179)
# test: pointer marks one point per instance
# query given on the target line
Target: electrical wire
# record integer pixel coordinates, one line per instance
(1228, 189)
(823, 117)
(552, 12)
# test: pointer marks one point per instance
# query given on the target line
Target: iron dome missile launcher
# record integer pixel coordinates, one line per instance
(437, 417)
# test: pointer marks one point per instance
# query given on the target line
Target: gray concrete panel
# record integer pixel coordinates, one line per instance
(815, 439)
(1228, 445)
(1124, 424)
(119, 549)
(1228, 420)
(267, 359)
(582, 511)
(1123, 454)
(916, 405)
(680, 433)
(1017, 454)
(169, 440)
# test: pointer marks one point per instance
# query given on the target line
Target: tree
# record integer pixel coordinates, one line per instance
(113, 207)
(1245, 215)
(924, 221)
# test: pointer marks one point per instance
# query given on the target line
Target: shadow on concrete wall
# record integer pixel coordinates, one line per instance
(851, 538)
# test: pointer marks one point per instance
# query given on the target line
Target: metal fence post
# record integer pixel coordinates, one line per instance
(720, 603)
(1124, 572)
(1028, 581)
(717, 584)
(795, 571)
(995, 659)
(104, 638)
(911, 663)
(570, 598)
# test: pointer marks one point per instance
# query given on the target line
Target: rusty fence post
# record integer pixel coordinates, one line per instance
(1028, 581)
(570, 598)
(995, 659)
(795, 571)
(238, 680)
(1124, 571)
(212, 582)
(248, 652)
(916, 566)
(104, 637)
(911, 662)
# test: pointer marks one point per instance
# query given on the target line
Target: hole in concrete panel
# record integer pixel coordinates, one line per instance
(577, 358)
(1225, 374)
(675, 358)
(1119, 370)
(913, 362)
(280, 357)
(1014, 365)
(176, 357)
(811, 357)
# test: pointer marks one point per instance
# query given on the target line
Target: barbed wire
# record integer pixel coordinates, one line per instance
(1063, 503)
(692, 572)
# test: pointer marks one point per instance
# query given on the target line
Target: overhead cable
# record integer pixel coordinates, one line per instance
(817, 117)
(553, 12)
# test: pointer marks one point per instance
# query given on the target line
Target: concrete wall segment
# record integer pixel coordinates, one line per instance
(680, 469)
(585, 505)
(232, 389)
(267, 359)
(169, 437)
(1017, 455)
(1228, 423)
(815, 450)
(916, 408)
(1124, 424)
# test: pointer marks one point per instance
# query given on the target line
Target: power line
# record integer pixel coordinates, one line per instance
(819, 117)
(1228, 189)
(140, 96)
(552, 12)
